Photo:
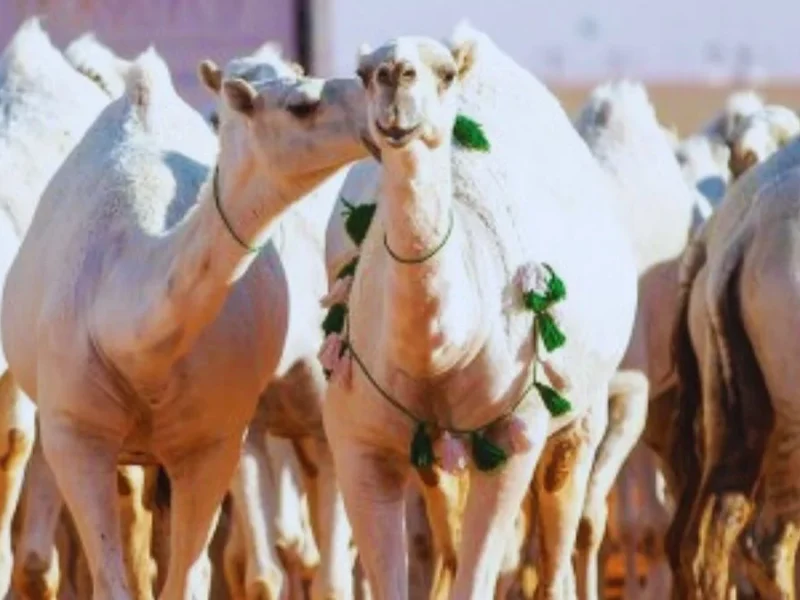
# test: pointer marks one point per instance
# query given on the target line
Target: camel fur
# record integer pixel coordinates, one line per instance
(407, 322)
(132, 216)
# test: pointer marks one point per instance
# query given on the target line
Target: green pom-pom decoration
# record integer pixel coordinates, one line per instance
(421, 448)
(555, 402)
(486, 455)
(556, 288)
(536, 302)
(334, 320)
(469, 134)
(551, 335)
(357, 220)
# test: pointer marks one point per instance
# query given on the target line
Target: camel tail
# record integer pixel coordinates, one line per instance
(741, 392)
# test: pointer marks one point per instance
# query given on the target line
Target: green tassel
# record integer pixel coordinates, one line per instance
(334, 320)
(348, 269)
(421, 448)
(555, 402)
(551, 335)
(486, 455)
(469, 134)
(357, 220)
(536, 302)
(556, 288)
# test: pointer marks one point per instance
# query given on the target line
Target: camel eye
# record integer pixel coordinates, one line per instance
(383, 76)
(448, 77)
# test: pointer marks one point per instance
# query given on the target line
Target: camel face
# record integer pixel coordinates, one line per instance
(411, 92)
(299, 130)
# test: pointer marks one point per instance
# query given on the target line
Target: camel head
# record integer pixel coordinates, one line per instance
(760, 135)
(99, 63)
(295, 130)
(412, 89)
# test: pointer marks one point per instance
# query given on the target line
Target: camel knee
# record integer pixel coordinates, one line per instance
(17, 449)
(36, 578)
(592, 528)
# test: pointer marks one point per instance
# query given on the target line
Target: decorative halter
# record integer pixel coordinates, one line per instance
(542, 290)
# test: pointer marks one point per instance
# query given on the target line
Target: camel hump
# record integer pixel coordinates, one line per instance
(30, 40)
(147, 78)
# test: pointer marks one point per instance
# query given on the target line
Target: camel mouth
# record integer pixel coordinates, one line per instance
(397, 136)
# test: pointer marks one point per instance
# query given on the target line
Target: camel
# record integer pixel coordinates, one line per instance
(620, 126)
(738, 106)
(45, 108)
(98, 62)
(299, 386)
(732, 339)
(704, 164)
(760, 135)
(144, 225)
(450, 325)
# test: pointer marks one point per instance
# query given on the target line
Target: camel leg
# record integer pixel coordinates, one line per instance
(36, 571)
(445, 504)
(334, 578)
(493, 503)
(561, 482)
(234, 557)
(18, 424)
(136, 521)
(628, 393)
(420, 543)
(724, 505)
(373, 490)
(254, 497)
(199, 482)
(512, 563)
(85, 468)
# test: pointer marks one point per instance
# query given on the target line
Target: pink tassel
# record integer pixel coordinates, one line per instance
(532, 277)
(339, 293)
(519, 436)
(453, 457)
(343, 370)
(329, 353)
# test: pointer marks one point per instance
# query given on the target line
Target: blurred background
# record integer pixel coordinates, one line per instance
(690, 53)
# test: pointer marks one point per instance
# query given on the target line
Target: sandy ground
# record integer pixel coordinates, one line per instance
(687, 106)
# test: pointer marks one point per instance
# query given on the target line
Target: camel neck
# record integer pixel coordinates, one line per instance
(429, 291)
(202, 259)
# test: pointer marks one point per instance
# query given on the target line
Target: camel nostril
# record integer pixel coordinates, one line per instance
(409, 74)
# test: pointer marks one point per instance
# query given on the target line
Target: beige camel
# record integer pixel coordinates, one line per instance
(138, 232)
(45, 108)
(298, 388)
(620, 127)
(445, 337)
(733, 339)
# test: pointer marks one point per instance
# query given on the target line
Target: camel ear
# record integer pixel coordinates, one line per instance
(464, 54)
(210, 75)
(365, 67)
(240, 96)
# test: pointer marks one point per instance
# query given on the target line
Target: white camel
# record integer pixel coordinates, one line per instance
(299, 386)
(760, 135)
(143, 226)
(620, 126)
(438, 343)
(45, 108)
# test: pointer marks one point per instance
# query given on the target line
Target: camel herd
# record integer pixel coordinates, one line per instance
(396, 335)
